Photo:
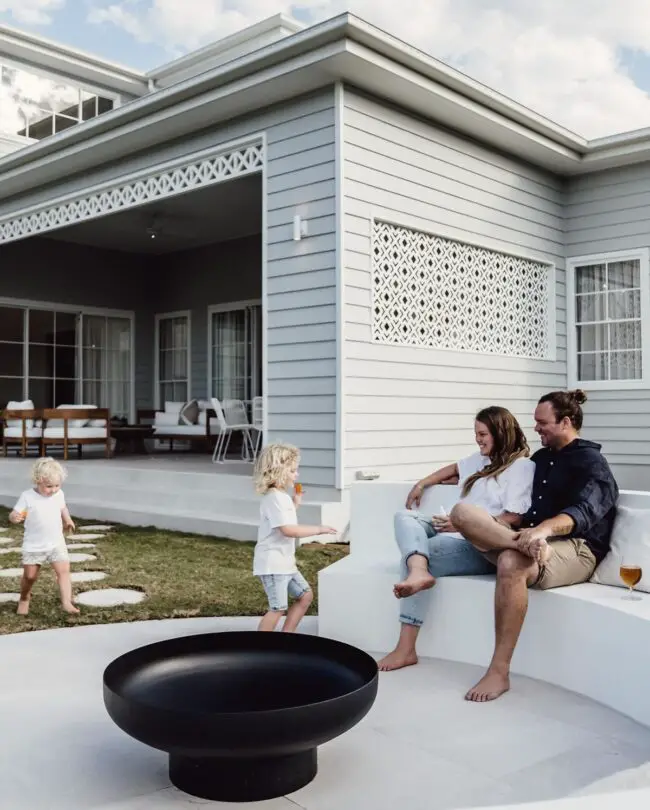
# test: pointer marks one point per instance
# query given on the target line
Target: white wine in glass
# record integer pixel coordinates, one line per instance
(631, 575)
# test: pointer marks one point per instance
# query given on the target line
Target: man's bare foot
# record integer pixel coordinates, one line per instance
(23, 607)
(415, 582)
(70, 608)
(491, 686)
(540, 551)
(397, 660)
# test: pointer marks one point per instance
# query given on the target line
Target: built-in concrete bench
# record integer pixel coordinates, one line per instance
(584, 638)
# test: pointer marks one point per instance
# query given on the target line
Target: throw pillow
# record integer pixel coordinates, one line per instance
(72, 423)
(26, 405)
(630, 543)
(190, 413)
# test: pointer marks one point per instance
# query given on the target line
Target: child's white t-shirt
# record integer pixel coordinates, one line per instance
(275, 553)
(43, 524)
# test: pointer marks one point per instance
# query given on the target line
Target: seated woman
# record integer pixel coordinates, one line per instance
(498, 478)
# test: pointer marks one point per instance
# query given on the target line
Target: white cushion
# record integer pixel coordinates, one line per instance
(17, 432)
(72, 423)
(75, 433)
(189, 413)
(26, 405)
(630, 543)
(214, 422)
(179, 430)
(165, 419)
(98, 423)
(174, 407)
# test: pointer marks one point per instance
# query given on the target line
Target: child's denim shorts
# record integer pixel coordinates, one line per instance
(279, 587)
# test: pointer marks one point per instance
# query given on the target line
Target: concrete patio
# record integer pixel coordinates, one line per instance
(421, 746)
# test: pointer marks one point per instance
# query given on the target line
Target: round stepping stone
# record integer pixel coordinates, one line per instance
(77, 558)
(97, 527)
(87, 576)
(11, 572)
(85, 536)
(110, 597)
(5, 540)
(9, 597)
(3, 529)
(78, 546)
(14, 550)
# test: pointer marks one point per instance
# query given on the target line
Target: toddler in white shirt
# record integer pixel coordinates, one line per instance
(274, 562)
(43, 511)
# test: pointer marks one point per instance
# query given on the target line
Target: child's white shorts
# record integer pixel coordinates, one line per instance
(53, 555)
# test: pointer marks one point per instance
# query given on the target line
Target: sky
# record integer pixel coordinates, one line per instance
(585, 64)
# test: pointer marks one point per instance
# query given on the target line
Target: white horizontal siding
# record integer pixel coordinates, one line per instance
(606, 212)
(407, 409)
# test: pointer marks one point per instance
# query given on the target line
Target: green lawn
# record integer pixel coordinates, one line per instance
(183, 575)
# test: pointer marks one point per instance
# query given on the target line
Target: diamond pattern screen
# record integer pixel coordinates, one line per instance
(438, 293)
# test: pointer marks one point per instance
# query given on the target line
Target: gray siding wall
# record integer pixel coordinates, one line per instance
(301, 310)
(607, 212)
(55, 272)
(409, 410)
(197, 279)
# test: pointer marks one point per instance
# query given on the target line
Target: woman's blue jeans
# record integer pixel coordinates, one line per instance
(447, 556)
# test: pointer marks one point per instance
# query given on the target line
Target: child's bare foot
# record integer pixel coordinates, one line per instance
(415, 582)
(23, 607)
(70, 608)
(397, 660)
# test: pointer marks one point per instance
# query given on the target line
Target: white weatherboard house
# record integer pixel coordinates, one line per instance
(330, 219)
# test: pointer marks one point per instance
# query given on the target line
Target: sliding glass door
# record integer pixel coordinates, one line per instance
(172, 358)
(63, 357)
(236, 351)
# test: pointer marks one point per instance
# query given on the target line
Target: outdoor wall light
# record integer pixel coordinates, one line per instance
(299, 228)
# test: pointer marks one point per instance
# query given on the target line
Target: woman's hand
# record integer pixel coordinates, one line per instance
(443, 525)
(415, 496)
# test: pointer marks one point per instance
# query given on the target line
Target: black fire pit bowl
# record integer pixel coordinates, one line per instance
(240, 714)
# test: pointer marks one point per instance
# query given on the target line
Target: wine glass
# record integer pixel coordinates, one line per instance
(631, 574)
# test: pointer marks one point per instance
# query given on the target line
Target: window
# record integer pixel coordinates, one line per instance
(172, 358)
(437, 293)
(35, 106)
(607, 317)
(235, 351)
(62, 357)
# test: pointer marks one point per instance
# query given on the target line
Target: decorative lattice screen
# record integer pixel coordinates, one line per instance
(442, 294)
(170, 182)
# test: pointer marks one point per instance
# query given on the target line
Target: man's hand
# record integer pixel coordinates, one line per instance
(532, 542)
(415, 496)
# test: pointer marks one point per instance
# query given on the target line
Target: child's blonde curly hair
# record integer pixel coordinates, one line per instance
(48, 471)
(273, 467)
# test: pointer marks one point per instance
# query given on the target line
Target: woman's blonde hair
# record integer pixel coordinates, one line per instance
(273, 467)
(509, 443)
(48, 471)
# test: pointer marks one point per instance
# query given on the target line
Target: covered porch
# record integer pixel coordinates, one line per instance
(140, 312)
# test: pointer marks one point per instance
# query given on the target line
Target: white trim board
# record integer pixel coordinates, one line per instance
(643, 255)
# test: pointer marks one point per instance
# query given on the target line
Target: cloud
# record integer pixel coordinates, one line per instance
(31, 12)
(562, 58)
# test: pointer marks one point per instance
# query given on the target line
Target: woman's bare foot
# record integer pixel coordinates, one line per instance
(415, 582)
(23, 607)
(491, 686)
(397, 660)
(70, 608)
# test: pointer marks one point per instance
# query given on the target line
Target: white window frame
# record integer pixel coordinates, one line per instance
(165, 316)
(642, 255)
(229, 307)
(78, 310)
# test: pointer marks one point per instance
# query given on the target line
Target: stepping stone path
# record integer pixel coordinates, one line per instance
(9, 597)
(3, 529)
(11, 572)
(97, 527)
(78, 558)
(110, 597)
(14, 550)
(87, 576)
(85, 537)
(4, 540)
(78, 546)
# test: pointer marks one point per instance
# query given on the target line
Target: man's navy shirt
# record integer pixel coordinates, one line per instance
(575, 481)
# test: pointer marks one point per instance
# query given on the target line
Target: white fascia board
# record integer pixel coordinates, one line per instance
(71, 63)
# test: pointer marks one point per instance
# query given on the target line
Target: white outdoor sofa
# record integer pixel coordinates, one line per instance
(584, 638)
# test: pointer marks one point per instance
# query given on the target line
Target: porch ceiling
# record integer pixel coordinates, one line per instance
(228, 210)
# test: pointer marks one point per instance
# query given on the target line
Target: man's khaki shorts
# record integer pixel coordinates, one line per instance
(571, 562)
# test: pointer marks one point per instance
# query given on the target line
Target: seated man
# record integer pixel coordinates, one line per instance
(563, 536)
